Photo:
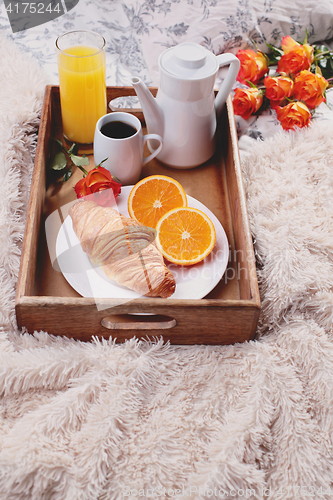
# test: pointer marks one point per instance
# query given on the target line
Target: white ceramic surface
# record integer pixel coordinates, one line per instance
(185, 110)
(124, 156)
(192, 282)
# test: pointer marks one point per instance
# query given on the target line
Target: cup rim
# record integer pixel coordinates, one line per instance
(123, 114)
(98, 50)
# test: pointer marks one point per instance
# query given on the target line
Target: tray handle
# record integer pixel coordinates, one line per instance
(138, 322)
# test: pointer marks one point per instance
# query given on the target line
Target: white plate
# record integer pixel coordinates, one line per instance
(192, 282)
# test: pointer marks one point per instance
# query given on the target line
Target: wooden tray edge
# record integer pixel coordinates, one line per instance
(24, 295)
(255, 294)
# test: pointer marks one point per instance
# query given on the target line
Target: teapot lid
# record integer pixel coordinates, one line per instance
(188, 60)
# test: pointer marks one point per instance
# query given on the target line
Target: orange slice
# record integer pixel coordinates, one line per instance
(153, 196)
(185, 236)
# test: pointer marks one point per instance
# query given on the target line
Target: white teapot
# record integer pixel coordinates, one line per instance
(185, 110)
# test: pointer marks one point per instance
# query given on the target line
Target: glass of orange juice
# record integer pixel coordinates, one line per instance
(81, 67)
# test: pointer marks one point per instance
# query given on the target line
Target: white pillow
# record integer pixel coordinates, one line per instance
(225, 26)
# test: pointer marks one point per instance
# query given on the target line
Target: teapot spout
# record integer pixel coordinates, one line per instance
(152, 111)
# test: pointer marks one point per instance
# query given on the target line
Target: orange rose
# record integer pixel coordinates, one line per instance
(247, 101)
(296, 57)
(100, 183)
(293, 115)
(288, 44)
(278, 88)
(253, 66)
(310, 88)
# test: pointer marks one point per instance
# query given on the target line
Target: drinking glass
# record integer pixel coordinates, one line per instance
(81, 67)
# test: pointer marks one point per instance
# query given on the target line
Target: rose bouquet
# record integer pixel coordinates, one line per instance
(294, 90)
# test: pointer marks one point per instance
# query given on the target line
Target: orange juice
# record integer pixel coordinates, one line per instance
(82, 91)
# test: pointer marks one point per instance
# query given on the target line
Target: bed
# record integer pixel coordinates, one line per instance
(102, 420)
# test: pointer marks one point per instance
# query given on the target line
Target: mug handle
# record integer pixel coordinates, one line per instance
(156, 151)
(228, 82)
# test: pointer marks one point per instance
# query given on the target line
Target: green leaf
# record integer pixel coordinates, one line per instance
(306, 37)
(74, 149)
(59, 162)
(250, 84)
(318, 49)
(326, 66)
(255, 45)
(79, 161)
(67, 175)
(275, 50)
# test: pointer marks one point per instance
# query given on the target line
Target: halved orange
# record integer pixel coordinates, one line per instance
(185, 236)
(153, 196)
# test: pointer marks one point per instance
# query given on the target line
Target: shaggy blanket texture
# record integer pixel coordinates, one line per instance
(100, 420)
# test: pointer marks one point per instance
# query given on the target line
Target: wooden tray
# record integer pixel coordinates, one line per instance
(45, 301)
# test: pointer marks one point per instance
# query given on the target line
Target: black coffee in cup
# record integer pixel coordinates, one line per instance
(118, 130)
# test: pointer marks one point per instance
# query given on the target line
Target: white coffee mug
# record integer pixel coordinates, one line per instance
(119, 138)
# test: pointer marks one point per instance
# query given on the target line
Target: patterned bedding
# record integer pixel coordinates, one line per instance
(137, 31)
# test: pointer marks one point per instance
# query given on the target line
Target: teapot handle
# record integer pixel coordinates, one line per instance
(154, 137)
(224, 60)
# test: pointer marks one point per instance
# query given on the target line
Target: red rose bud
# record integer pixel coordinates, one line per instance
(99, 182)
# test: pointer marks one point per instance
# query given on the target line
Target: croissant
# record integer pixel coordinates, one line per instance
(123, 248)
